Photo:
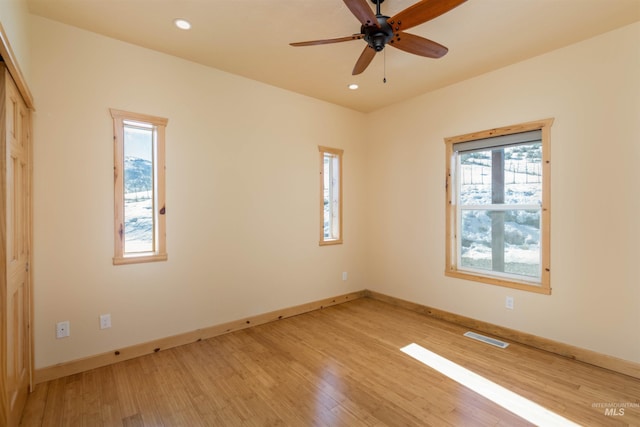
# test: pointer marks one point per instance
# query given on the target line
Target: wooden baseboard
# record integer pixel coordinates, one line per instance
(80, 365)
(576, 353)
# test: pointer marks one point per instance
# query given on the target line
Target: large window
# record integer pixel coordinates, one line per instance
(139, 168)
(498, 206)
(330, 196)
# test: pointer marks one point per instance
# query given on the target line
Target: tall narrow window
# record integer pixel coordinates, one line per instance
(139, 168)
(330, 196)
(498, 206)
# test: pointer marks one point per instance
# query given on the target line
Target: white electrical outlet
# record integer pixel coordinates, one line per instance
(508, 303)
(344, 275)
(62, 329)
(105, 321)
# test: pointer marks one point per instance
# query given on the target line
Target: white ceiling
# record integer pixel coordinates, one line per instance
(251, 38)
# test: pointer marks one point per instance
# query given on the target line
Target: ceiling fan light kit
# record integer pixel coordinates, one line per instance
(379, 30)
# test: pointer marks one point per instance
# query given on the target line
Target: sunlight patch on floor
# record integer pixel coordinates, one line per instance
(509, 400)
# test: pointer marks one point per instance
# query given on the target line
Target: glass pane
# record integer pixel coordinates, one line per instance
(138, 189)
(475, 178)
(517, 181)
(523, 174)
(501, 241)
(331, 196)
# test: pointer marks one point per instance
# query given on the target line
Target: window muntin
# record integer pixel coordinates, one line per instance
(139, 166)
(330, 196)
(498, 206)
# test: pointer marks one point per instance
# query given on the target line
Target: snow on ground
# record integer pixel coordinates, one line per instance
(138, 222)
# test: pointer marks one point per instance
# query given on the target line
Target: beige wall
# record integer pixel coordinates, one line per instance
(242, 196)
(592, 90)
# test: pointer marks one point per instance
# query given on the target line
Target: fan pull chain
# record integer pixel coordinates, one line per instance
(384, 60)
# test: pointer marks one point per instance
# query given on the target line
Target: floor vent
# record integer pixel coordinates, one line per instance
(487, 340)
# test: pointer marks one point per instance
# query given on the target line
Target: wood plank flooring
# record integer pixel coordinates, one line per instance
(340, 366)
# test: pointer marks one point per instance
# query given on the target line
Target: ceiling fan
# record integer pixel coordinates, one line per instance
(378, 30)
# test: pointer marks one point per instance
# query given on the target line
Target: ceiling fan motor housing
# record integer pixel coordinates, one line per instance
(377, 38)
(378, 30)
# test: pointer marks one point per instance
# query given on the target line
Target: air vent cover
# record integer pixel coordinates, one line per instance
(487, 340)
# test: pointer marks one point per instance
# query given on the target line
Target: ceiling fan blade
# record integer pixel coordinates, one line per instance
(328, 41)
(365, 59)
(420, 12)
(363, 12)
(418, 45)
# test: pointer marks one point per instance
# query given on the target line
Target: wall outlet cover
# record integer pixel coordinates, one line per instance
(62, 329)
(105, 321)
(509, 303)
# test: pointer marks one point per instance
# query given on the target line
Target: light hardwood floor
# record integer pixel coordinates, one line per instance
(339, 366)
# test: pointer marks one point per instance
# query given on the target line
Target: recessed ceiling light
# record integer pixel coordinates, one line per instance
(183, 24)
(353, 86)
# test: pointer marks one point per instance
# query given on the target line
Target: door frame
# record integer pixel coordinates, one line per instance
(11, 62)
(8, 58)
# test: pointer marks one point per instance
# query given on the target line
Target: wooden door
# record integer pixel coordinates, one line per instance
(17, 227)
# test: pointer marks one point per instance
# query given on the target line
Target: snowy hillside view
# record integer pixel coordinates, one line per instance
(522, 176)
(138, 204)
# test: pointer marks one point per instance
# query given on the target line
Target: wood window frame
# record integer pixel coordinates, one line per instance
(339, 154)
(159, 253)
(451, 268)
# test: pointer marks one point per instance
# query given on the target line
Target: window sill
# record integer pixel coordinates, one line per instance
(139, 259)
(523, 286)
(330, 242)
